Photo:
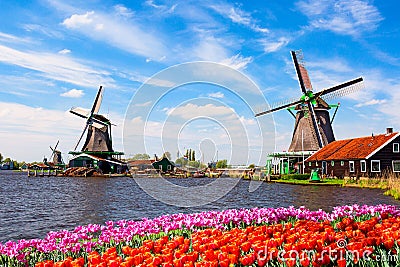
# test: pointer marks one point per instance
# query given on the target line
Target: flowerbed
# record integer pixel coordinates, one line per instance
(349, 235)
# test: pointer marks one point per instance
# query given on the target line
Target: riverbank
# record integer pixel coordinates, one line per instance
(390, 184)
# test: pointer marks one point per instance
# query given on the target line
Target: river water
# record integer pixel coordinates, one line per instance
(32, 206)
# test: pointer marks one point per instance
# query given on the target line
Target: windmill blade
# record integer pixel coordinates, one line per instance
(341, 89)
(58, 141)
(52, 152)
(81, 112)
(315, 124)
(302, 73)
(279, 108)
(80, 138)
(97, 101)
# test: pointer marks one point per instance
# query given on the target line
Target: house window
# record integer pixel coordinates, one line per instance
(396, 165)
(351, 166)
(375, 166)
(341, 163)
(332, 163)
(396, 147)
(160, 167)
(316, 163)
(309, 164)
(363, 165)
(169, 167)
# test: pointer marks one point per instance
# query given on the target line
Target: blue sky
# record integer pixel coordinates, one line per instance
(55, 54)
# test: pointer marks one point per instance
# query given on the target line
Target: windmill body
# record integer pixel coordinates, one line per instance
(98, 138)
(304, 136)
(97, 152)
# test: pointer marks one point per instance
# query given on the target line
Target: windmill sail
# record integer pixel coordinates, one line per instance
(302, 71)
(97, 101)
(313, 128)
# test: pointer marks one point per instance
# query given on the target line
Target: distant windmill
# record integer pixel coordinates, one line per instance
(313, 127)
(99, 127)
(56, 157)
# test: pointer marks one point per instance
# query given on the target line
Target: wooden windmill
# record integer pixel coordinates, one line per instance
(56, 157)
(98, 138)
(97, 152)
(313, 126)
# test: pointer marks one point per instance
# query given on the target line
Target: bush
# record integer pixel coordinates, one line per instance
(296, 176)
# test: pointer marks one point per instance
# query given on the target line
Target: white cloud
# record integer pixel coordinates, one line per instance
(372, 102)
(76, 20)
(64, 51)
(333, 64)
(216, 95)
(238, 16)
(45, 30)
(237, 62)
(73, 93)
(123, 11)
(56, 66)
(272, 46)
(123, 34)
(191, 110)
(210, 48)
(145, 104)
(5, 37)
(347, 17)
(163, 8)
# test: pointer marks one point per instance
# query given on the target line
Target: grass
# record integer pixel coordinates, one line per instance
(393, 188)
(378, 183)
(326, 181)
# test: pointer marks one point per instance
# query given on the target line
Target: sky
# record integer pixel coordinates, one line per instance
(151, 58)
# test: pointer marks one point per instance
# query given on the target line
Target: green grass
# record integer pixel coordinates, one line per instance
(392, 192)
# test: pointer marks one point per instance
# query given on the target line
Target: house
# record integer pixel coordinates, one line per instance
(39, 166)
(369, 156)
(164, 165)
(105, 165)
(141, 164)
(8, 165)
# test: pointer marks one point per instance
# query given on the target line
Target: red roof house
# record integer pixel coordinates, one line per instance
(360, 157)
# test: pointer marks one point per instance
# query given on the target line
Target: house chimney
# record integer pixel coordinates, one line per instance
(389, 130)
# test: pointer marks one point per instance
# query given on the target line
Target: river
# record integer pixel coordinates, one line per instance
(32, 206)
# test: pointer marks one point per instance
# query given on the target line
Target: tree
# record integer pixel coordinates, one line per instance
(222, 163)
(139, 157)
(15, 165)
(194, 164)
(193, 155)
(167, 155)
(1, 157)
(251, 166)
(181, 161)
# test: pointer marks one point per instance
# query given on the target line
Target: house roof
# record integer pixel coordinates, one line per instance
(355, 148)
(111, 160)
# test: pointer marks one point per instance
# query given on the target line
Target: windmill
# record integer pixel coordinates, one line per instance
(97, 153)
(313, 126)
(98, 127)
(56, 157)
